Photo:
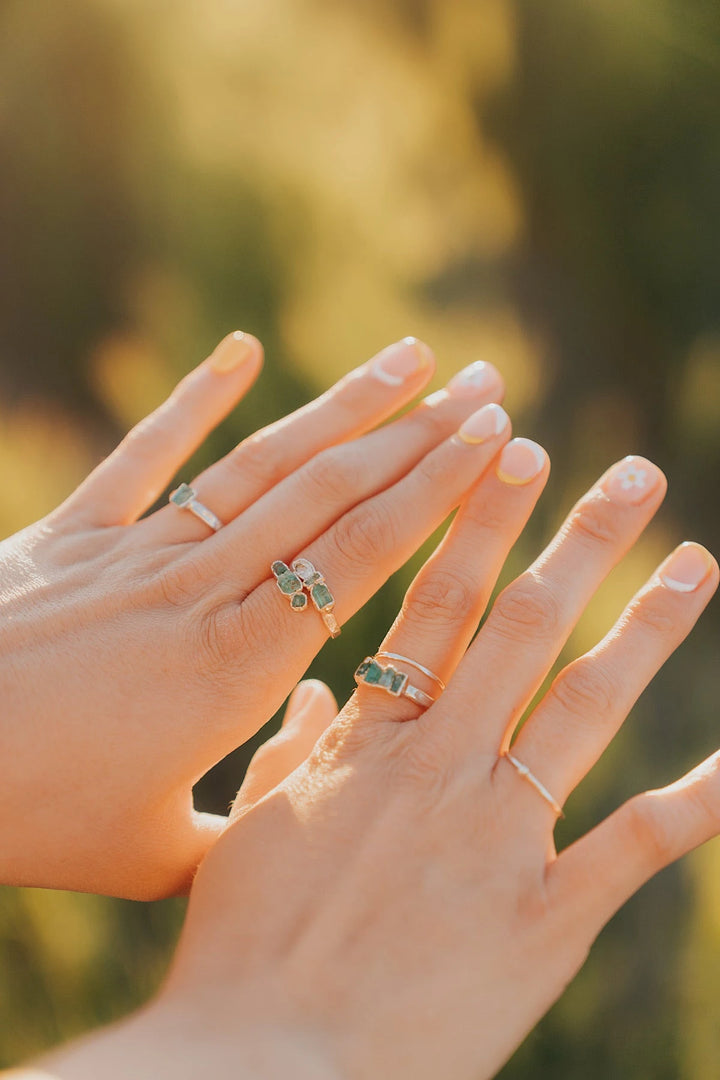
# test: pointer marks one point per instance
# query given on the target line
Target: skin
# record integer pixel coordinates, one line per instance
(406, 914)
(135, 653)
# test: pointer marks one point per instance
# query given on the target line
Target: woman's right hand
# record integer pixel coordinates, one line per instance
(135, 654)
(395, 908)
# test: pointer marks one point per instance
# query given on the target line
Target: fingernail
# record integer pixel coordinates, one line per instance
(686, 568)
(520, 462)
(474, 379)
(631, 480)
(233, 351)
(395, 364)
(484, 424)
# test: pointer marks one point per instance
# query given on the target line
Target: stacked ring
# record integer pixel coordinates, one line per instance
(392, 681)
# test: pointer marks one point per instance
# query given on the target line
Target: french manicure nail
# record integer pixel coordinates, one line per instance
(520, 462)
(395, 364)
(474, 378)
(631, 480)
(686, 568)
(233, 351)
(484, 424)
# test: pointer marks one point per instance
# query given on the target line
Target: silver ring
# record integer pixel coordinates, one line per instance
(537, 784)
(185, 498)
(412, 663)
(392, 681)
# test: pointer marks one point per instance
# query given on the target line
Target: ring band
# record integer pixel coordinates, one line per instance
(412, 663)
(303, 580)
(392, 681)
(537, 784)
(185, 498)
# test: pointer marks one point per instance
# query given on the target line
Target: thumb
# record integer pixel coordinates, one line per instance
(311, 709)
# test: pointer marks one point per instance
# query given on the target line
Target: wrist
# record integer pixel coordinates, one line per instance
(170, 1040)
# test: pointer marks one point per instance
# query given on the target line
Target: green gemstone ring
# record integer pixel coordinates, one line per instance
(302, 580)
(372, 673)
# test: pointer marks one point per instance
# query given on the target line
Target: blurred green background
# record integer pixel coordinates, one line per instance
(531, 182)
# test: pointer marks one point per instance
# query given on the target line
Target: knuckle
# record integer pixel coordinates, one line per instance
(180, 583)
(257, 459)
(583, 688)
(433, 467)
(525, 610)
(365, 534)
(329, 476)
(595, 523)
(425, 769)
(648, 829)
(441, 594)
(652, 615)
(160, 427)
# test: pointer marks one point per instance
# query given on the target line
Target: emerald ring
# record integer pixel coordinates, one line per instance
(186, 498)
(392, 681)
(301, 582)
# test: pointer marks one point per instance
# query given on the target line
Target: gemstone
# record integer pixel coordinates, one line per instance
(183, 495)
(299, 601)
(374, 671)
(398, 684)
(387, 677)
(322, 597)
(279, 568)
(289, 583)
(363, 668)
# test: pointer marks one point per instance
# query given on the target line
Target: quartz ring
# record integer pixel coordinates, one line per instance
(392, 681)
(301, 582)
(186, 498)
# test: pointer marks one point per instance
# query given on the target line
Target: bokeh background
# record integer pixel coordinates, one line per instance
(534, 183)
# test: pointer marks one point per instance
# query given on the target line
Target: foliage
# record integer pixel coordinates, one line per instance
(534, 184)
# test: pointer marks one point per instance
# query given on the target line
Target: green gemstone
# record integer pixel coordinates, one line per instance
(279, 568)
(363, 668)
(398, 684)
(184, 494)
(289, 583)
(373, 673)
(322, 597)
(387, 677)
(299, 601)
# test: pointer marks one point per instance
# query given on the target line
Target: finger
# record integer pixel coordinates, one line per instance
(357, 403)
(532, 618)
(124, 485)
(313, 499)
(311, 709)
(446, 600)
(295, 509)
(358, 554)
(590, 699)
(597, 874)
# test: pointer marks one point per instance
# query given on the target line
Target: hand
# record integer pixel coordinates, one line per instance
(135, 654)
(396, 908)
